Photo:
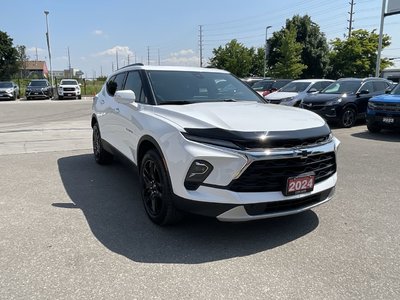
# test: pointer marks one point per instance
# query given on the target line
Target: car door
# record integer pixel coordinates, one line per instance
(130, 115)
(363, 96)
(109, 128)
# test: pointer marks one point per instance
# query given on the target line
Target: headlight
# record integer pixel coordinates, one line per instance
(334, 102)
(211, 141)
(9, 90)
(287, 99)
(371, 105)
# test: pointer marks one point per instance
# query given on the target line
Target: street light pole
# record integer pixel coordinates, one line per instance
(266, 50)
(48, 47)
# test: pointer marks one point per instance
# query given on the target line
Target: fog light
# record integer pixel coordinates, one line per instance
(197, 173)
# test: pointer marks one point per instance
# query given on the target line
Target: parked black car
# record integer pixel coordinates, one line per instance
(345, 100)
(39, 88)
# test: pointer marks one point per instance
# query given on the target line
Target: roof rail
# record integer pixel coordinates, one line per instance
(131, 65)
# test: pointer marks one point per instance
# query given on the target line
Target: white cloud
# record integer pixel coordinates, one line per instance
(185, 57)
(122, 50)
(98, 32)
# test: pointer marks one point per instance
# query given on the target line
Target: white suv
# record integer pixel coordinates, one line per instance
(69, 88)
(205, 143)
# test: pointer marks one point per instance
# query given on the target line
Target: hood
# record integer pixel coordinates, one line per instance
(239, 116)
(280, 95)
(69, 85)
(321, 98)
(5, 89)
(387, 98)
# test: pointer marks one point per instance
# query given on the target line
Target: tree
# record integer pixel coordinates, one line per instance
(22, 58)
(233, 57)
(315, 52)
(288, 64)
(356, 56)
(8, 57)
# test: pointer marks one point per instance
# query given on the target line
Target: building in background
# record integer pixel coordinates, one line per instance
(34, 69)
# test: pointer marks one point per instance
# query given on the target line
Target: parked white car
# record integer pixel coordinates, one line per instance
(69, 88)
(295, 91)
(202, 147)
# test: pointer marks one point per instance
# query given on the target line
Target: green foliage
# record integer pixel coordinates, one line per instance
(315, 51)
(237, 59)
(356, 56)
(8, 57)
(288, 64)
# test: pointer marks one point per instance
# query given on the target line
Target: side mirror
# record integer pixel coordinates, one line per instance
(388, 91)
(125, 96)
(312, 90)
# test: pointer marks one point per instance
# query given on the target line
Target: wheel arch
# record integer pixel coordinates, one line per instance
(145, 144)
(94, 120)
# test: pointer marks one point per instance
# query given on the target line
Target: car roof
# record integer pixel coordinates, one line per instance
(169, 68)
(362, 79)
(313, 80)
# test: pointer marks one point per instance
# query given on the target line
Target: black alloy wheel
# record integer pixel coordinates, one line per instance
(348, 118)
(156, 190)
(101, 156)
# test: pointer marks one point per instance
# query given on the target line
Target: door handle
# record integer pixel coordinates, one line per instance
(102, 101)
(116, 110)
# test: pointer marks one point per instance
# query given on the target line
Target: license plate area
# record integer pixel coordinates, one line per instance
(388, 120)
(300, 184)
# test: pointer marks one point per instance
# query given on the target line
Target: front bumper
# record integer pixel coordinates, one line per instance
(380, 119)
(71, 93)
(329, 112)
(8, 96)
(215, 198)
(38, 94)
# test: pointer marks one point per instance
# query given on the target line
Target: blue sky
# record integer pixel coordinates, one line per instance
(93, 30)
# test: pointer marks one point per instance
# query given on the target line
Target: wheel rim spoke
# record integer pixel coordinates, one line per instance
(152, 187)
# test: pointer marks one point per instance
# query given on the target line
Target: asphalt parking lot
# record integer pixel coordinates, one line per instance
(71, 229)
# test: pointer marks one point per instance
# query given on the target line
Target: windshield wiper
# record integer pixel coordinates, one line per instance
(176, 102)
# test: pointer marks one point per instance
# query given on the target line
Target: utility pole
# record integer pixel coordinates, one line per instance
(69, 64)
(128, 60)
(101, 71)
(201, 44)
(351, 21)
(112, 66)
(48, 47)
(266, 50)
(148, 55)
(116, 54)
(378, 56)
(37, 57)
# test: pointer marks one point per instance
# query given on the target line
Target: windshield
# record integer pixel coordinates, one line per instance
(396, 90)
(6, 85)
(342, 87)
(295, 87)
(38, 83)
(262, 85)
(186, 87)
(69, 82)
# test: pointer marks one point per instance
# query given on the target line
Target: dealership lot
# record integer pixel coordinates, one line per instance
(70, 228)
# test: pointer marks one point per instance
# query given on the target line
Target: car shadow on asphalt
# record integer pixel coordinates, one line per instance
(384, 135)
(110, 199)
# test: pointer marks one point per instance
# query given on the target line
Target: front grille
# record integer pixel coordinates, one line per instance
(395, 107)
(69, 89)
(271, 175)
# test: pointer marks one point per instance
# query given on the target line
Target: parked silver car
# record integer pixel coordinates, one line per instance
(295, 91)
(9, 90)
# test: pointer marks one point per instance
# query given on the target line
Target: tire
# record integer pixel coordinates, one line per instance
(60, 97)
(348, 117)
(79, 97)
(28, 98)
(373, 129)
(14, 96)
(102, 156)
(156, 190)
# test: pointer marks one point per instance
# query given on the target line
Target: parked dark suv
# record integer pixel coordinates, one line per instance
(345, 100)
(39, 88)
